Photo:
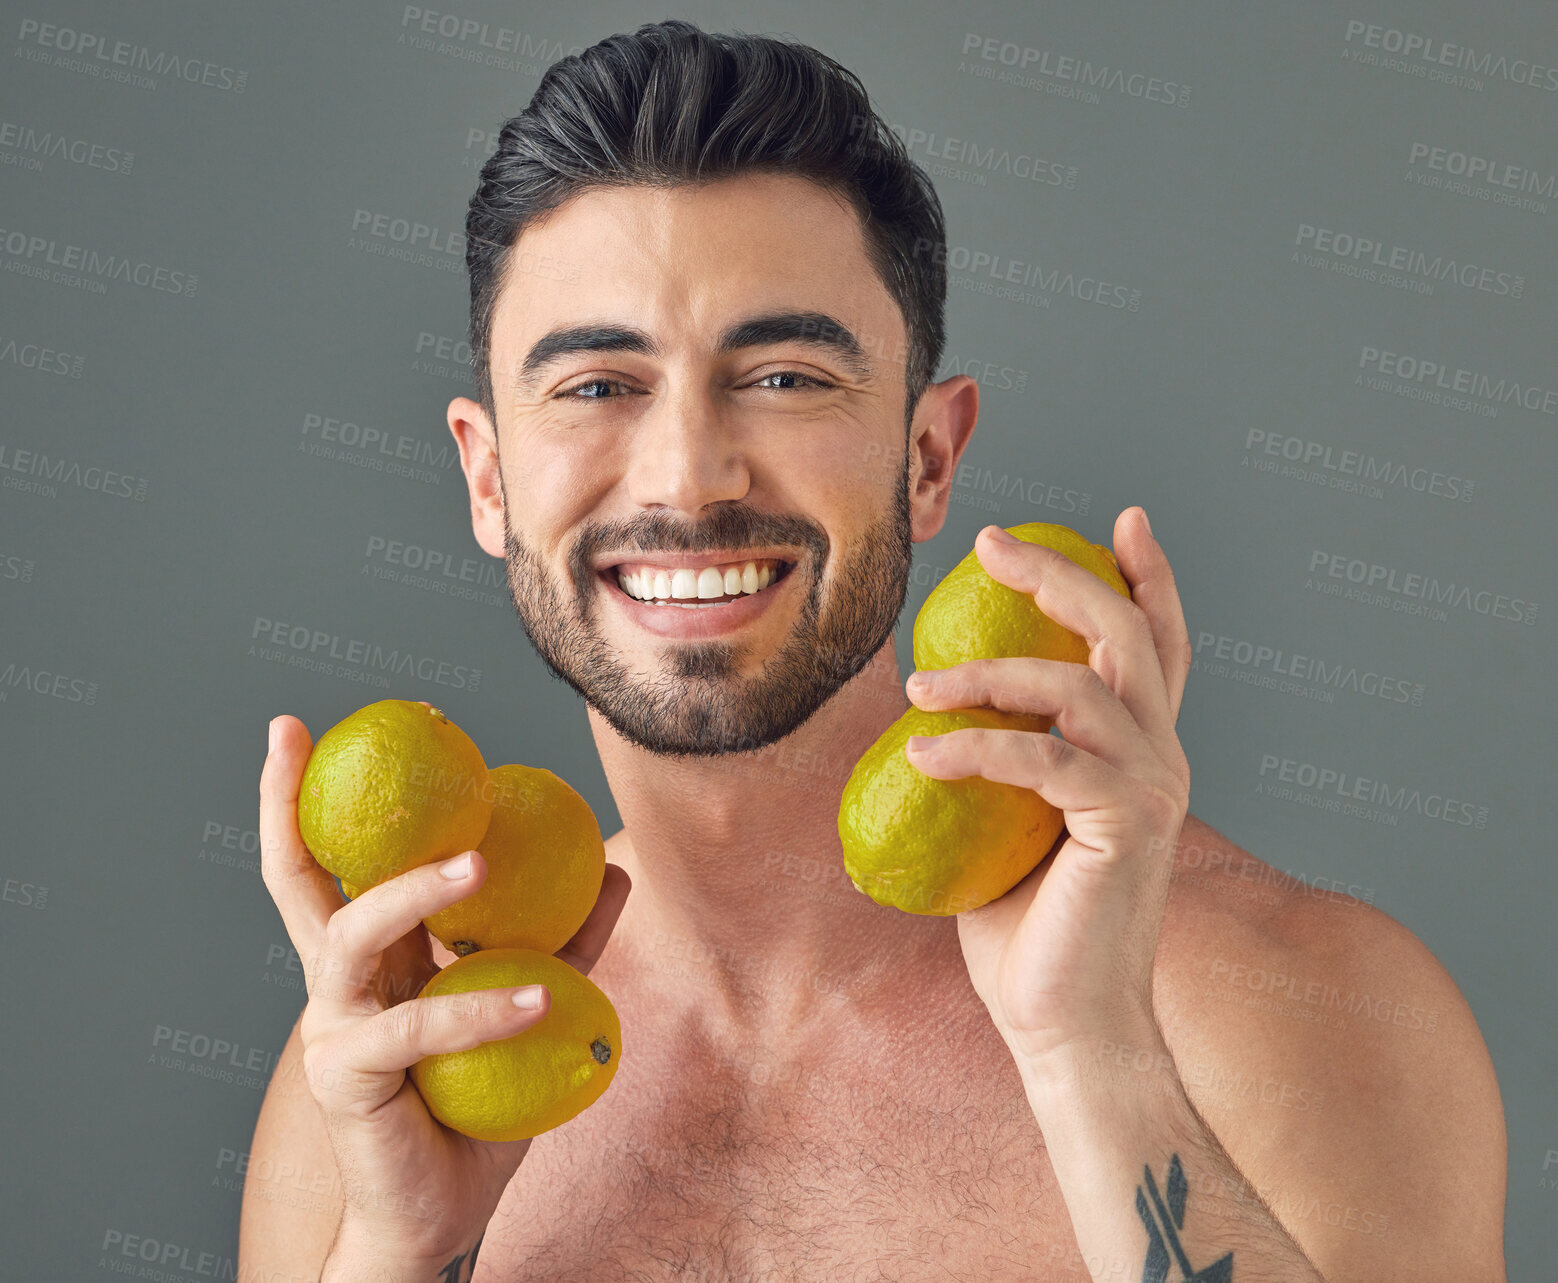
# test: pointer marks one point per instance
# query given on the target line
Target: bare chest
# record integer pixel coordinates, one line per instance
(823, 1175)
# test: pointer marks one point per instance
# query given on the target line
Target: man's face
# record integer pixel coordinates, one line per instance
(641, 431)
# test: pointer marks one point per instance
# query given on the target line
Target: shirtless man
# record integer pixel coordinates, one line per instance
(1130, 1066)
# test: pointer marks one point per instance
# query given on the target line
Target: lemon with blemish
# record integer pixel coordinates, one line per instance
(518, 1087)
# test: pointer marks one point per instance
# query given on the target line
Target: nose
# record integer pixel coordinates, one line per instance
(687, 455)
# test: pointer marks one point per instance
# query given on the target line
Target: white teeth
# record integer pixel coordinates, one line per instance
(686, 584)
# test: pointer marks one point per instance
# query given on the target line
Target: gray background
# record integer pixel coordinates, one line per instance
(181, 505)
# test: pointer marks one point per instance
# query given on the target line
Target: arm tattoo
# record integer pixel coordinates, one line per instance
(1163, 1222)
(463, 1268)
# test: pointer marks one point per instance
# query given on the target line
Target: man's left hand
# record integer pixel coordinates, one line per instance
(1066, 955)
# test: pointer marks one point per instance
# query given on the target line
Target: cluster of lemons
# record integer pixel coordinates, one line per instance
(397, 785)
(941, 847)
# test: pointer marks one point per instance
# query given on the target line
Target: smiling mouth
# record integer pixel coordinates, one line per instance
(696, 588)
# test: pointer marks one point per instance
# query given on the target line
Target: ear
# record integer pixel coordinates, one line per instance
(943, 423)
(477, 441)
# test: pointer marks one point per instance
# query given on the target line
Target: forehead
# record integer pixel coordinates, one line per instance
(685, 260)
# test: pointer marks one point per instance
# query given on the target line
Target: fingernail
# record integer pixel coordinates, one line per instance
(1147, 523)
(918, 743)
(529, 998)
(922, 679)
(271, 733)
(458, 867)
(1001, 535)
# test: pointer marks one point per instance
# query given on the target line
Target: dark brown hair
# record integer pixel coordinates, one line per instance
(672, 104)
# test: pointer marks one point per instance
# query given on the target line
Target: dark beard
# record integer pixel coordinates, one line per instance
(701, 707)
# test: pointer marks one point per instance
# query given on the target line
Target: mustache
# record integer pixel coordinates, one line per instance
(731, 526)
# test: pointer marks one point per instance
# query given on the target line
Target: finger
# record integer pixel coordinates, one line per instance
(1062, 774)
(1146, 568)
(342, 976)
(1118, 635)
(583, 951)
(1083, 708)
(363, 1063)
(304, 892)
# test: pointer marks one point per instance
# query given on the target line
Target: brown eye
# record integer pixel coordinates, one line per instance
(805, 379)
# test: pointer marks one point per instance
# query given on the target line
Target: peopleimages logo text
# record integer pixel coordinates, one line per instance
(319, 646)
(1443, 53)
(1370, 576)
(33, 143)
(1484, 169)
(1306, 668)
(122, 53)
(1015, 271)
(35, 251)
(1411, 369)
(70, 472)
(1402, 258)
(1079, 71)
(1344, 785)
(966, 152)
(452, 26)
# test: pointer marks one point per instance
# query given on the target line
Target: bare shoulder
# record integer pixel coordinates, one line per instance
(1337, 1061)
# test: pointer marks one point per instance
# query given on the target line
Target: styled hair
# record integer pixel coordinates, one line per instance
(672, 105)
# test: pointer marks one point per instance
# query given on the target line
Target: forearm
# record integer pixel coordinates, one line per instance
(1149, 1189)
(357, 1256)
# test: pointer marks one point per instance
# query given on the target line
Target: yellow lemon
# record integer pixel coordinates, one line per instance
(518, 1087)
(394, 785)
(940, 847)
(969, 615)
(545, 864)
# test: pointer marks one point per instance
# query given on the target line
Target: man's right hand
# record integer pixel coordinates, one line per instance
(412, 1187)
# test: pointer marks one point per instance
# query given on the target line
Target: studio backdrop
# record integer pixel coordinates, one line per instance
(1285, 275)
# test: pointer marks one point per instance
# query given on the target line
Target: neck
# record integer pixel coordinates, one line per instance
(739, 887)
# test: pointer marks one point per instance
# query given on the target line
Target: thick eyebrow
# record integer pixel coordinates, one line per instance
(816, 328)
